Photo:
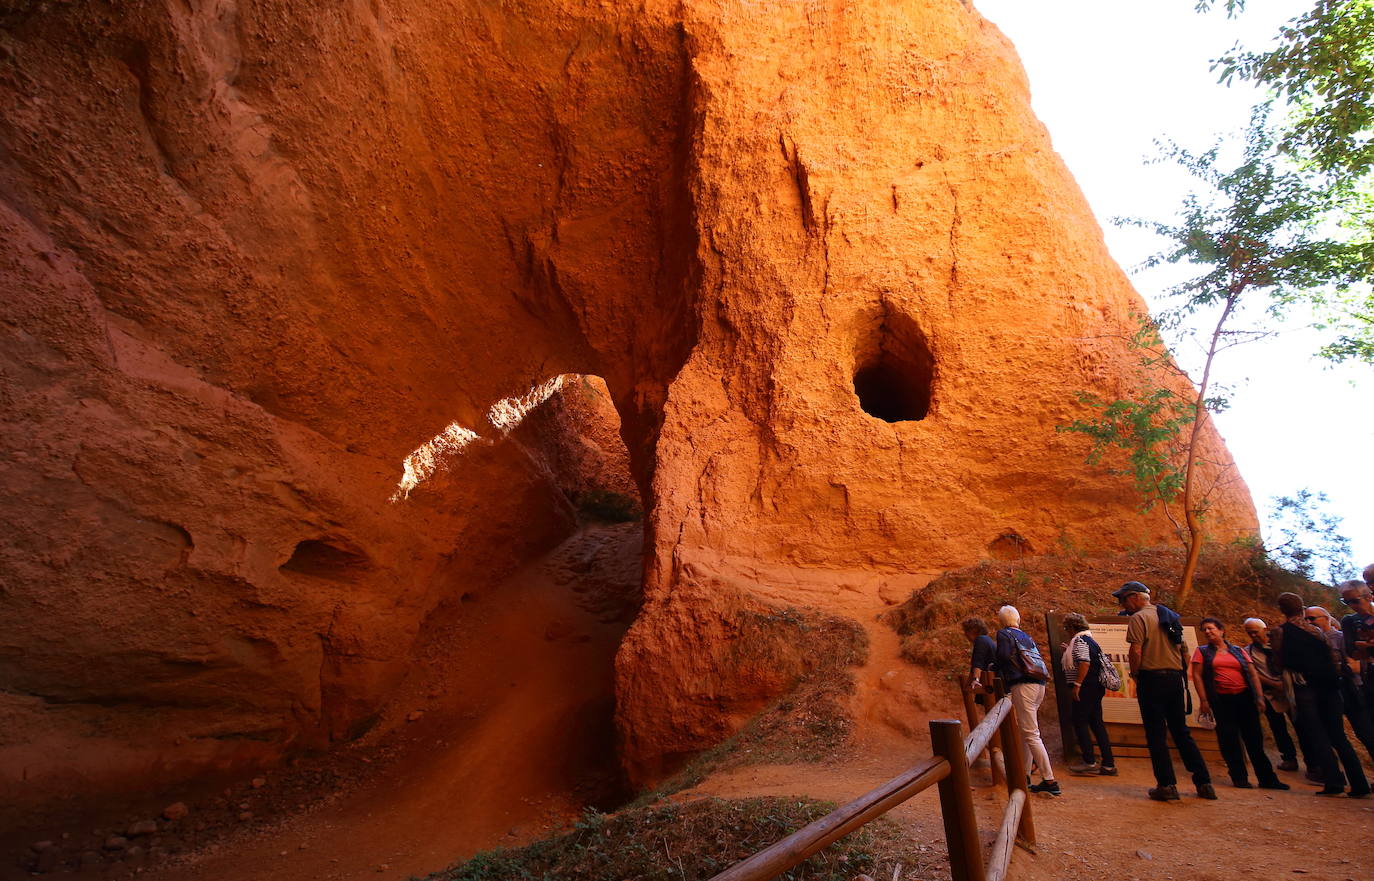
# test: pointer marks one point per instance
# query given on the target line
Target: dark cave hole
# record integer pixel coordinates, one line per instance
(895, 378)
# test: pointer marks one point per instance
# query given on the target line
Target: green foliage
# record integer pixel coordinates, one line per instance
(1309, 537)
(689, 842)
(1321, 70)
(1148, 429)
(1253, 228)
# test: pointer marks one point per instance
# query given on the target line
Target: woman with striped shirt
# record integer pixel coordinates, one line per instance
(1082, 663)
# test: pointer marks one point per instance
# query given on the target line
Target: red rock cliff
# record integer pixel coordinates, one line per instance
(255, 253)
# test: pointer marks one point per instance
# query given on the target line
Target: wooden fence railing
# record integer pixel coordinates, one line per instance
(949, 768)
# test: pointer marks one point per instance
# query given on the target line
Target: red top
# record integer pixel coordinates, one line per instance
(1226, 671)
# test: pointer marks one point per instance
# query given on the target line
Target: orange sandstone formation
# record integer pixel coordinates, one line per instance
(257, 253)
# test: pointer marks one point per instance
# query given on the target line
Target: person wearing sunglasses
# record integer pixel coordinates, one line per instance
(1358, 629)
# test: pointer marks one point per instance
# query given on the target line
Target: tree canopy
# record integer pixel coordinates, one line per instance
(1320, 72)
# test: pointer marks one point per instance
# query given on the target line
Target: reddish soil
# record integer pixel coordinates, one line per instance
(514, 738)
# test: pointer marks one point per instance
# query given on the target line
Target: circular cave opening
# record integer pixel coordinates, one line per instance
(895, 374)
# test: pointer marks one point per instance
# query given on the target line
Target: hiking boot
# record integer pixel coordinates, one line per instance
(1049, 786)
(1314, 775)
(1288, 765)
(1207, 791)
(1333, 790)
(1107, 771)
(1086, 768)
(1164, 793)
(1274, 784)
(1242, 784)
(1358, 793)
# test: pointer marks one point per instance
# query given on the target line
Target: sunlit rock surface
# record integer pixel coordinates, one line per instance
(256, 255)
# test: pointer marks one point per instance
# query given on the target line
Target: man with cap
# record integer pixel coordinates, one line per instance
(1157, 666)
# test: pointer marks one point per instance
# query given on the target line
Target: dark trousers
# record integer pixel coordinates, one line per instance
(1087, 723)
(1160, 693)
(1278, 726)
(1357, 711)
(1238, 722)
(1321, 712)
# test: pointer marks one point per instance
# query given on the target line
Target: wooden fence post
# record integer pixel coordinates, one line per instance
(956, 803)
(1015, 761)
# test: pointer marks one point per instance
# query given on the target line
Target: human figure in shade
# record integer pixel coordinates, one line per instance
(1302, 651)
(1358, 630)
(1276, 705)
(1157, 665)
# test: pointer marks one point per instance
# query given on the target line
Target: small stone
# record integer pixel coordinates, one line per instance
(116, 842)
(134, 852)
(245, 816)
(175, 811)
(259, 782)
(143, 827)
(243, 806)
(383, 867)
(415, 715)
(1144, 854)
(40, 846)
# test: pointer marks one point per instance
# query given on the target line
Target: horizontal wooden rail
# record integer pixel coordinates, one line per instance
(815, 837)
(979, 737)
(949, 767)
(1000, 858)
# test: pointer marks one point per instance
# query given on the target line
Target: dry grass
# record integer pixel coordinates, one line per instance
(1233, 582)
(697, 840)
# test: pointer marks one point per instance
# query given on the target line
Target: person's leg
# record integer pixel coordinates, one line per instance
(1224, 710)
(1080, 713)
(1283, 741)
(1357, 711)
(1092, 698)
(1177, 721)
(1027, 698)
(1312, 734)
(1151, 700)
(1332, 713)
(1248, 719)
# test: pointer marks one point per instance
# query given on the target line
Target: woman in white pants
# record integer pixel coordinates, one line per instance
(1024, 671)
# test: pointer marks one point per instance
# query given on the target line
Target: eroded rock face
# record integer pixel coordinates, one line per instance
(256, 253)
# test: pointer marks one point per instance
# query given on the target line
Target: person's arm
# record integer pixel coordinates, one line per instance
(1255, 685)
(1195, 670)
(1082, 674)
(1134, 637)
(1276, 664)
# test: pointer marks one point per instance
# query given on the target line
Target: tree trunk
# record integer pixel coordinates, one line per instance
(1191, 515)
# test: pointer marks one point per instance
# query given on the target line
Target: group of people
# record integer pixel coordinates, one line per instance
(1309, 670)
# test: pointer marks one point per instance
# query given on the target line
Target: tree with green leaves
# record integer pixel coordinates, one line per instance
(1321, 70)
(1307, 538)
(1258, 246)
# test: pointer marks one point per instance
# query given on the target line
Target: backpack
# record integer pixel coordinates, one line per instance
(1106, 670)
(1027, 660)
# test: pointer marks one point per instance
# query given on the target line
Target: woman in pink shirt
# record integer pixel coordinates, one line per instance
(1230, 690)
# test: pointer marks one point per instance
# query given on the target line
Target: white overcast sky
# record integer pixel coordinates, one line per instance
(1108, 78)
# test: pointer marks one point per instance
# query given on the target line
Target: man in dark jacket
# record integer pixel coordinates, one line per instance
(1303, 652)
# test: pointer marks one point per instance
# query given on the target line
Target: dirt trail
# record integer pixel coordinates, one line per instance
(512, 754)
(515, 737)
